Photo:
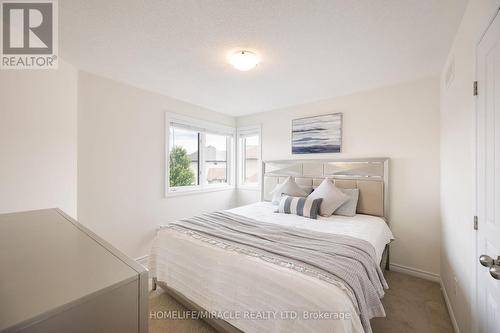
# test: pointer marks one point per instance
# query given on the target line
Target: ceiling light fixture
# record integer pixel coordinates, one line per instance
(243, 60)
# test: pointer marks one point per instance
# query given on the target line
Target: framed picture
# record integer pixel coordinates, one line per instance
(317, 135)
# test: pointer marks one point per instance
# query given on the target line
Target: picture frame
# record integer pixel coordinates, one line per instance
(320, 134)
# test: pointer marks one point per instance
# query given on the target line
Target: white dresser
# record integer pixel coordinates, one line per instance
(58, 276)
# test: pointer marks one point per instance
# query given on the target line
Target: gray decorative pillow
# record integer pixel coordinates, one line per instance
(333, 197)
(299, 206)
(349, 207)
(289, 187)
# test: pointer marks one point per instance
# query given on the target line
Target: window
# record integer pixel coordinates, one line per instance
(199, 155)
(249, 156)
(216, 158)
(250, 159)
(184, 157)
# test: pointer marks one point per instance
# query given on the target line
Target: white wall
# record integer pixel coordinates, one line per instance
(38, 111)
(121, 163)
(400, 122)
(458, 253)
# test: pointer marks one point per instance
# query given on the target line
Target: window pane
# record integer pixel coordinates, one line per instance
(184, 161)
(251, 163)
(215, 158)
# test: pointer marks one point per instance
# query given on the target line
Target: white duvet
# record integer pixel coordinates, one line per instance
(256, 296)
(367, 227)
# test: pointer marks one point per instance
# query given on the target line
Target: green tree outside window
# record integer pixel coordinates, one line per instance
(180, 173)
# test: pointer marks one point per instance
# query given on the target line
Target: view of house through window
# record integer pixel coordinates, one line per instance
(215, 158)
(250, 150)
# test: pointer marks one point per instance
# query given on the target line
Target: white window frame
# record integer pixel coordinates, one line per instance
(203, 127)
(241, 133)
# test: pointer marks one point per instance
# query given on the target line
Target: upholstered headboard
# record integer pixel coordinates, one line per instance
(370, 176)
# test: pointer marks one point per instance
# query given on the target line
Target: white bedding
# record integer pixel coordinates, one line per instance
(367, 227)
(254, 295)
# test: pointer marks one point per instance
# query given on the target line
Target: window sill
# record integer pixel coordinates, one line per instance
(207, 189)
(249, 187)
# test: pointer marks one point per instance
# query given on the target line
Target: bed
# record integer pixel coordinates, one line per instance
(239, 291)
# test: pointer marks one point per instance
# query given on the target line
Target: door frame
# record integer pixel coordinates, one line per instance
(474, 292)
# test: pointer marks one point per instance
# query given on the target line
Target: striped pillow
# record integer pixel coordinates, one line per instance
(299, 206)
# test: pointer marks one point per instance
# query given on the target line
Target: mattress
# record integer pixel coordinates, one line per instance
(257, 296)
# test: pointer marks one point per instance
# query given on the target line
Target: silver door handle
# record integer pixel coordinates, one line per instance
(488, 261)
(495, 272)
(494, 265)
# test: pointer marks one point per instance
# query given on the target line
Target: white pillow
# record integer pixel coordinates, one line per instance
(288, 187)
(349, 207)
(333, 197)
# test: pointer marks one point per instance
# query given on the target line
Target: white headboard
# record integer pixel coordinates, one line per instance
(370, 176)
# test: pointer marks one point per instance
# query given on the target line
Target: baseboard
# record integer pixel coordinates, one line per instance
(415, 272)
(450, 309)
(432, 277)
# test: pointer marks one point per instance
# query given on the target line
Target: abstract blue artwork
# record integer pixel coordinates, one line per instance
(317, 135)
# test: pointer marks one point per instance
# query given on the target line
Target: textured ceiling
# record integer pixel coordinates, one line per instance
(311, 50)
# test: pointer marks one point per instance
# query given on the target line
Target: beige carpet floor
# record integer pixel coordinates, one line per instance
(412, 305)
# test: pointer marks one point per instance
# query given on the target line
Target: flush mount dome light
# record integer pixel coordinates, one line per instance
(243, 60)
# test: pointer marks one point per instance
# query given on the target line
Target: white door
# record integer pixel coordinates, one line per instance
(488, 180)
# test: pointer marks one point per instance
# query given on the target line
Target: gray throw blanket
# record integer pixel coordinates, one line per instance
(347, 262)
